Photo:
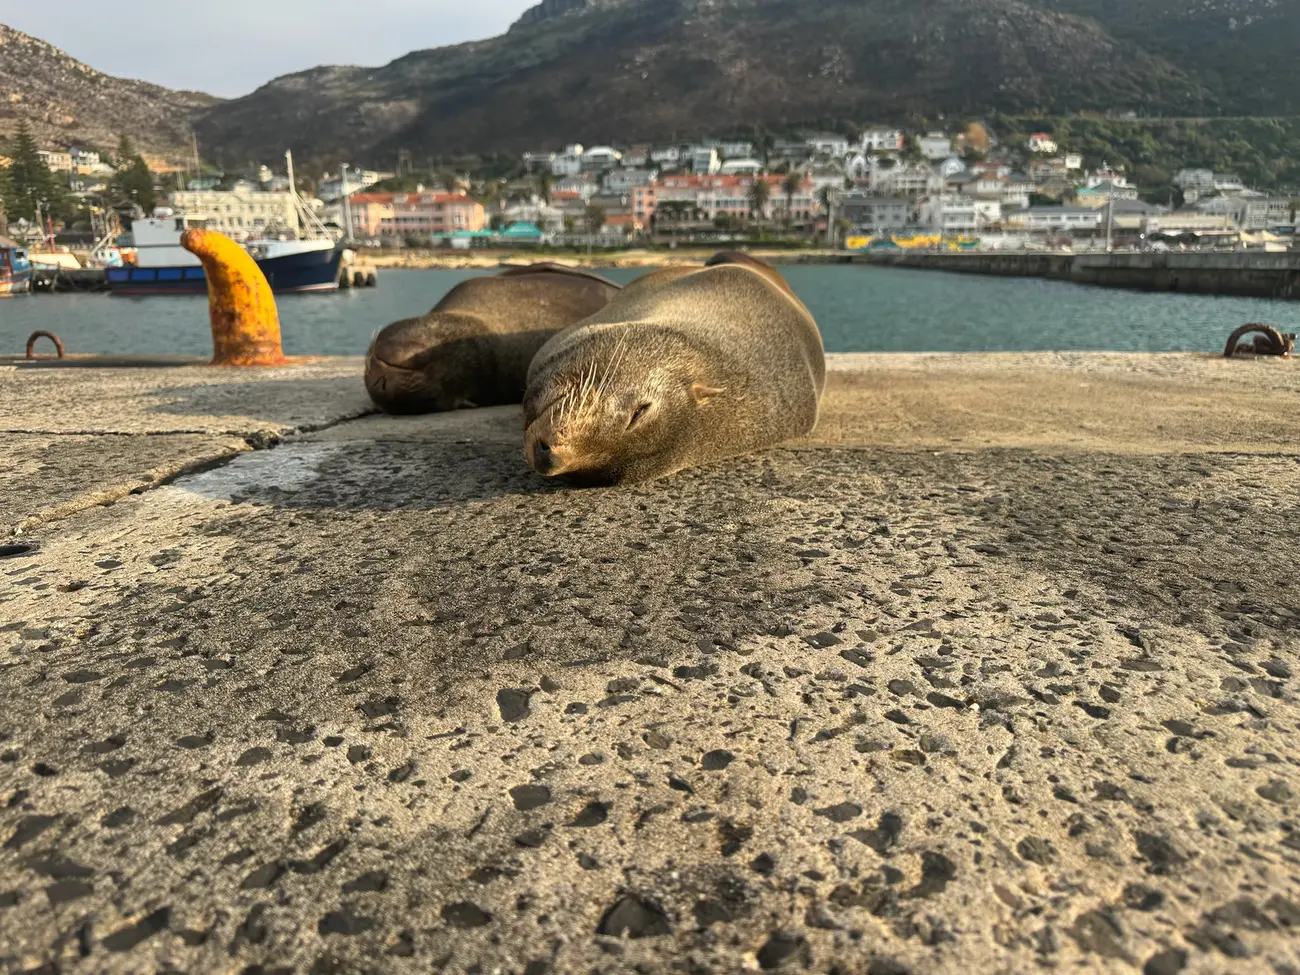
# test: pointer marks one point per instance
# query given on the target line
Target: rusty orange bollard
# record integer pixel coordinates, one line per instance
(241, 307)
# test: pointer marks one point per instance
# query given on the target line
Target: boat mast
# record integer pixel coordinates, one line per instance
(293, 193)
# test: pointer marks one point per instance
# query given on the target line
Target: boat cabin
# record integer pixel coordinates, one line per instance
(158, 239)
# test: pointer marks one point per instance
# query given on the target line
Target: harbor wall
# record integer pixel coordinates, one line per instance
(1257, 275)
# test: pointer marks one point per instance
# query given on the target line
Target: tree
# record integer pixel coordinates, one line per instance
(790, 184)
(759, 193)
(449, 181)
(593, 218)
(545, 180)
(126, 153)
(134, 184)
(28, 184)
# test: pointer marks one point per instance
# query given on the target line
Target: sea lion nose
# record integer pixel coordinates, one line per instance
(544, 460)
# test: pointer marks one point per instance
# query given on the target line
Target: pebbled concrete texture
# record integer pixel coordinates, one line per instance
(377, 699)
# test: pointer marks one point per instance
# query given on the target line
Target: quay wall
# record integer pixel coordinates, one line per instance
(1252, 275)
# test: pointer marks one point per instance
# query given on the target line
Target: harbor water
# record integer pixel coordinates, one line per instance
(859, 309)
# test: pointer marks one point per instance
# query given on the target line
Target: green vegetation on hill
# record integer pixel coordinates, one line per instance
(1264, 152)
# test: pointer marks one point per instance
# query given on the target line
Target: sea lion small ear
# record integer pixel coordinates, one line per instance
(702, 393)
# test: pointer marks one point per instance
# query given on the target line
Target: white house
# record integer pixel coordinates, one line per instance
(736, 167)
(736, 149)
(55, 162)
(948, 214)
(904, 179)
(880, 139)
(1016, 189)
(623, 180)
(828, 144)
(951, 167)
(1073, 161)
(600, 158)
(1057, 219)
(667, 156)
(567, 163)
(935, 146)
(1042, 142)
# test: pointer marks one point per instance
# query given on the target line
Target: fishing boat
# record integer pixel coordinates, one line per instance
(15, 268)
(307, 259)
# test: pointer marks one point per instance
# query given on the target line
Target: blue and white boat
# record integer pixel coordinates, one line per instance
(309, 260)
(163, 267)
(15, 268)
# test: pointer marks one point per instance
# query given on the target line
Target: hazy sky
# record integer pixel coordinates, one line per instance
(230, 47)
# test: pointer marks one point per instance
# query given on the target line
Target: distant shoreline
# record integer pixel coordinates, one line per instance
(469, 260)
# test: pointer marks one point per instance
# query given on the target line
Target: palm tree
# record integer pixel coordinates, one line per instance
(759, 194)
(790, 184)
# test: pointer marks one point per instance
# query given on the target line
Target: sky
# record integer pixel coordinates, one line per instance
(230, 47)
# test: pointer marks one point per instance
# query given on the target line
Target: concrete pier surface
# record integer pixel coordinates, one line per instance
(993, 673)
(1252, 274)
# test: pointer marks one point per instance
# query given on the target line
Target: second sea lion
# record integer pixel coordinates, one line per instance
(474, 347)
(686, 366)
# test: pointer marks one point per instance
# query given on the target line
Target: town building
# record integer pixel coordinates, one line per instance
(1057, 219)
(1099, 194)
(396, 216)
(955, 214)
(735, 167)
(1041, 142)
(704, 160)
(876, 214)
(828, 144)
(569, 162)
(623, 180)
(736, 149)
(240, 212)
(787, 151)
(599, 159)
(55, 161)
(934, 146)
(723, 196)
(667, 156)
(894, 178)
(331, 187)
(1016, 190)
(881, 139)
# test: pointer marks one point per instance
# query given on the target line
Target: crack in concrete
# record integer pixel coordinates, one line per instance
(267, 439)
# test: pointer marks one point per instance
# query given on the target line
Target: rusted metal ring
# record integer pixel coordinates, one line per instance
(31, 344)
(1270, 341)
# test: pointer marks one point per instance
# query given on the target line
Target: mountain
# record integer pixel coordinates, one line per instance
(627, 70)
(1246, 51)
(64, 100)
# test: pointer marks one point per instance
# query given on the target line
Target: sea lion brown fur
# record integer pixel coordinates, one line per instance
(474, 347)
(685, 366)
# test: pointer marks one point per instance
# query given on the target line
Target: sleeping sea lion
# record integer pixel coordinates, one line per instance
(474, 347)
(685, 366)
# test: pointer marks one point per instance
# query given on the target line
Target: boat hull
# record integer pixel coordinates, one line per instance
(291, 274)
(17, 283)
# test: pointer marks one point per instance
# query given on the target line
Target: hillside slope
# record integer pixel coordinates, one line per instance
(63, 99)
(599, 70)
(1246, 51)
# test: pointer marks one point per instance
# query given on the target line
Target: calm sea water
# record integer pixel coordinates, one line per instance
(859, 309)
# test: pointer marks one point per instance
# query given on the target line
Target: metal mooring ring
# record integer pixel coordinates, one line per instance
(1270, 341)
(31, 344)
